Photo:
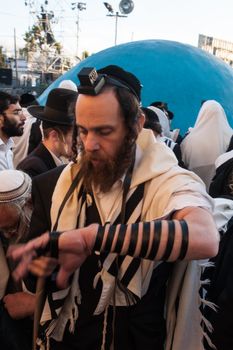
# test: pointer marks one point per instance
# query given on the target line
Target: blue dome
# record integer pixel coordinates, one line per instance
(179, 74)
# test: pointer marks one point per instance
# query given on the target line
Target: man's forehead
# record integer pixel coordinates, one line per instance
(96, 105)
(15, 106)
(9, 216)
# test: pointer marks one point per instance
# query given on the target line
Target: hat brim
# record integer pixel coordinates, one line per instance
(38, 112)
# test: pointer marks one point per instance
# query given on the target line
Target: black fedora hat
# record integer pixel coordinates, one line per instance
(59, 108)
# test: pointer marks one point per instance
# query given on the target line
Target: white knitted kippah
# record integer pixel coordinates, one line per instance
(14, 184)
(68, 84)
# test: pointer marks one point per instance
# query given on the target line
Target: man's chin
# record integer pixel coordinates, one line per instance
(96, 163)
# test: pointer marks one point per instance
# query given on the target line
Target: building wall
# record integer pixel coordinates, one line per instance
(219, 48)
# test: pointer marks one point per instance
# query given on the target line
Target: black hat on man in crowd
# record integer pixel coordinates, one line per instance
(92, 81)
(126, 78)
(28, 99)
(59, 107)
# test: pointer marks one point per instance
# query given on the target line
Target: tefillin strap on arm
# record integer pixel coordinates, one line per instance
(52, 246)
(143, 239)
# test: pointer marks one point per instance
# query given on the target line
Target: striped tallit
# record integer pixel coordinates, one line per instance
(167, 188)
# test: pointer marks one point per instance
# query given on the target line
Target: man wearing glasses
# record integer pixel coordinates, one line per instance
(12, 122)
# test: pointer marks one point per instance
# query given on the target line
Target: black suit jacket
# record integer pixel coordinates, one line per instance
(42, 191)
(37, 162)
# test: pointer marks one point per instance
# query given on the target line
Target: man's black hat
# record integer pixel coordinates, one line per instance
(92, 81)
(59, 108)
(28, 99)
(126, 78)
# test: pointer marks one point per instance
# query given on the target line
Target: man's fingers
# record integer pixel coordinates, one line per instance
(16, 253)
(63, 278)
(43, 266)
(22, 268)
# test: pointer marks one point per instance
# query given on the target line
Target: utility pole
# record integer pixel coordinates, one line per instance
(80, 6)
(16, 63)
(112, 14)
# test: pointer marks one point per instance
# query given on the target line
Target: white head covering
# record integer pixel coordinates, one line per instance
(223, 158)
(163, 119)
(207, 140)
(68, 84)
(14, 185)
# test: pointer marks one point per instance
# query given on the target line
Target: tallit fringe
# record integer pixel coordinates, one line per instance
(204, 264)
(205, 303)
(207, 324)
(104, 328)
(73, 318)
(210, 304)
(209, 341)
(205, 282)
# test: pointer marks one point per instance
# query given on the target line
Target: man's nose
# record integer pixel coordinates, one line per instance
(91, 143)
(22, 117)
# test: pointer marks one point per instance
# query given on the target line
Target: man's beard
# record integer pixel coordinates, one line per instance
(10, 128)
(108, 171)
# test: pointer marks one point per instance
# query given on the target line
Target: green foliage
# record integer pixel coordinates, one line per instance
(37, 38)
(2, 58)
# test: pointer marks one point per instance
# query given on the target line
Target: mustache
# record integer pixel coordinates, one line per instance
(88, 157)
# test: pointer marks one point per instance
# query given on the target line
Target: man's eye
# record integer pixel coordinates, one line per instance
(82, 132)
(104, 132)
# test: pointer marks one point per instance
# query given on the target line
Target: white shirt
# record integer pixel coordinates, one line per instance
(6, 154)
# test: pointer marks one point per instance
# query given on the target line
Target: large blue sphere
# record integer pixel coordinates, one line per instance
(179, 74)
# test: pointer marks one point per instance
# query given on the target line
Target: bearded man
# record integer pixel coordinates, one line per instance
(12, 122)
(128, 210)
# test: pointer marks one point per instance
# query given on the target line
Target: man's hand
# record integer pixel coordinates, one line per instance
(19, 305)
(74, 247)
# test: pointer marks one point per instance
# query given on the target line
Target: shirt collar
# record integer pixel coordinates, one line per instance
(9, 144)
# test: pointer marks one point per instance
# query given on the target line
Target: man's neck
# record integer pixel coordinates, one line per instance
(50, 146)
(4, 137)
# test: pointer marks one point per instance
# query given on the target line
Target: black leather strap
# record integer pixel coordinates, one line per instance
(170, 240)
(99, 238)
(53, 243)
(120, 239)
(133, 239)
(110, 238)
(185, 239)
(156, 240)
(145, 239)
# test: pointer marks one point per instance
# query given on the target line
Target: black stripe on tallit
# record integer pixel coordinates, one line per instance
(131, 204)
(57, 304)
(130, 272)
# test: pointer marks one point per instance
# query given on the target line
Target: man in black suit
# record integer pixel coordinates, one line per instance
(57, 125)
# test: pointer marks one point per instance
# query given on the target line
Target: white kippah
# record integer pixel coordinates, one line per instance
(68, 84)
(14, 184)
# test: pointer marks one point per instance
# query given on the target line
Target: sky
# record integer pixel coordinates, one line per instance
(176, 20)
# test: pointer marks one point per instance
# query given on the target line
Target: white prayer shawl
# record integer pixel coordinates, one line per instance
(168, 188)
(206, 141)
(223, 212)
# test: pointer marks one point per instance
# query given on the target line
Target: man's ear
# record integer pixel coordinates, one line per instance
(141, 121)
(1, 120)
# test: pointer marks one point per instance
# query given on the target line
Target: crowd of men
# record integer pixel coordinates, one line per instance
(116, 219)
